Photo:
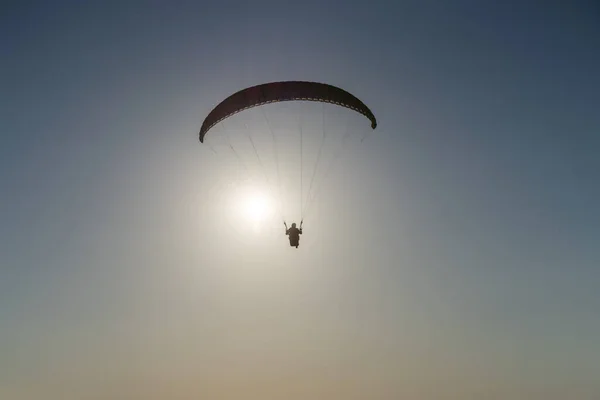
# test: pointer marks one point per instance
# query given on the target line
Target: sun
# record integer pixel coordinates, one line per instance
(252, 205)
(256, 207)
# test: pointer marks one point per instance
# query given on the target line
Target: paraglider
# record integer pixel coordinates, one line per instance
(277, 92)
(294, 234)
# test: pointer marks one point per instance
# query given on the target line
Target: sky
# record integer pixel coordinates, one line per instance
(452, 254)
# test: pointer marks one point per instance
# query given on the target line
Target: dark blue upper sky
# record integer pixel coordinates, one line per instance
(457, 247)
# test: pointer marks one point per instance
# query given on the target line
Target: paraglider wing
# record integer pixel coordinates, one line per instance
(283, 91)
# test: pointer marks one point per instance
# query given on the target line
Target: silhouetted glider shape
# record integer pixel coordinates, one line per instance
(283, 91)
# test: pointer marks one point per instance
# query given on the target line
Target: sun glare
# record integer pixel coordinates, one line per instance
(256, 207)
(252, 206)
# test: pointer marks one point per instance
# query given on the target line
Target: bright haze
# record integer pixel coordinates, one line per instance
(454, 253)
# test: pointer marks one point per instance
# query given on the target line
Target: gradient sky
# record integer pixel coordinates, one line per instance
(453, 255)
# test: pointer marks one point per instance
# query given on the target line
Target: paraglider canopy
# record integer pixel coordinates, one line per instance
(283, 91)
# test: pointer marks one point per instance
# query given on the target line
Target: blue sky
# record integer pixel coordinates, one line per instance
(452, 254)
